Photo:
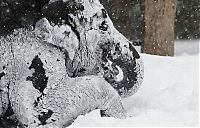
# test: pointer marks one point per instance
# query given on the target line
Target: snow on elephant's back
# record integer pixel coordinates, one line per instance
(101, 45)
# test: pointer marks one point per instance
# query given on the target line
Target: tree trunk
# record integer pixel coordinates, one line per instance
(158, 35)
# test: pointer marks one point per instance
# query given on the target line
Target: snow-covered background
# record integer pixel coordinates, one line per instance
(169, 95)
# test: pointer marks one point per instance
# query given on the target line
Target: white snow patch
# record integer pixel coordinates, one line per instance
(186, 47)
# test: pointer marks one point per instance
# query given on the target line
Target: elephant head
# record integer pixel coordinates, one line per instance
(84, 29)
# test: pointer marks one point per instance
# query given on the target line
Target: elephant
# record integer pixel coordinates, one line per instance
(36, 87)
(71, 41)
(98, 47)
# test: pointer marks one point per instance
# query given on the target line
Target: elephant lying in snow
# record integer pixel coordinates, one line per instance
(36, 85)
(34, 64)
(97, 46)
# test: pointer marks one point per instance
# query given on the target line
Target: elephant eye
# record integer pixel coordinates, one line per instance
(103, 26)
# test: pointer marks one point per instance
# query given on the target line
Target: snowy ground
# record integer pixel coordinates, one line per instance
(169, 95)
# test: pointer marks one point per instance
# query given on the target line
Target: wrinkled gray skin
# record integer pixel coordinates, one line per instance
(40, 92)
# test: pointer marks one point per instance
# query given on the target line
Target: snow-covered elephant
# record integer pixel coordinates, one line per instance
(34, 84)
(74, 41)
(98, 46)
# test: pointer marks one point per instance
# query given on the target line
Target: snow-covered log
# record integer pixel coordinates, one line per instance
(98, 46)
(35, 84)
